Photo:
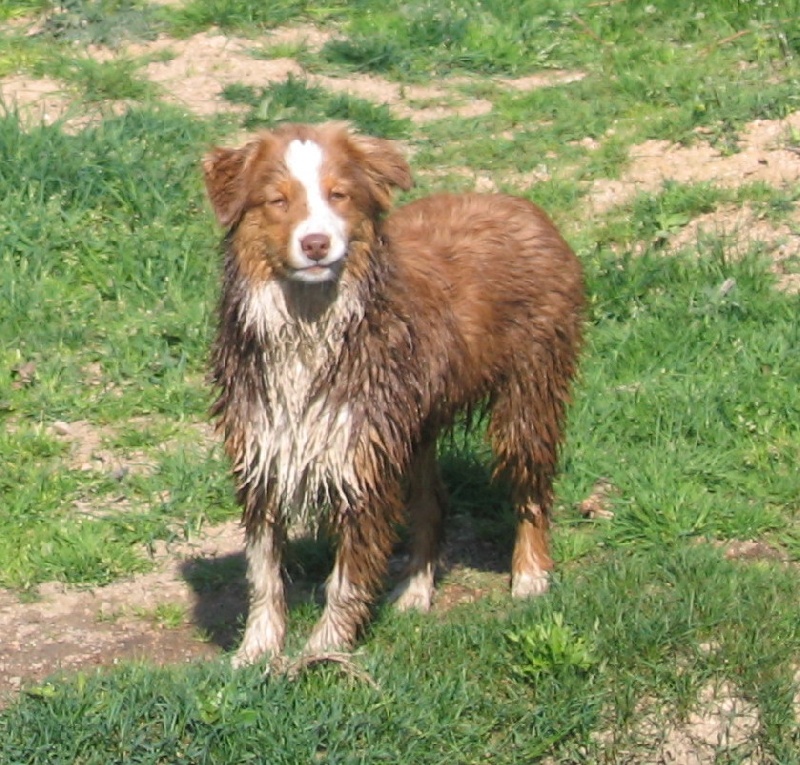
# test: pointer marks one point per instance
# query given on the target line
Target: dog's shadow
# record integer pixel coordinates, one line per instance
(220, 590)
(478, 535)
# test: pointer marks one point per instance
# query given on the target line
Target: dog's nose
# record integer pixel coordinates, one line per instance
(315, 246)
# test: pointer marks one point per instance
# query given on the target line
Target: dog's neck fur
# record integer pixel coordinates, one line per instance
(294, 316)
(298, 429)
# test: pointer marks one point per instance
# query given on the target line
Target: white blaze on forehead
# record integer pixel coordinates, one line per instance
(304, 161)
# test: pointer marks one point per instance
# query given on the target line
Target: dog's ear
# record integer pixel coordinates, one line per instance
(384, 165)
(229, 179)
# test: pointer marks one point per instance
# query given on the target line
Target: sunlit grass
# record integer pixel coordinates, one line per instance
(686, 403)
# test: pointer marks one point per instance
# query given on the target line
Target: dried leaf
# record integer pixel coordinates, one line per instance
(597, 503)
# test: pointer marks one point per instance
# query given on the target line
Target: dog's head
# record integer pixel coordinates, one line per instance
(302, 200)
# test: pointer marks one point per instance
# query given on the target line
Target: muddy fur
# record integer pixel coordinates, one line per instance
(331, 394)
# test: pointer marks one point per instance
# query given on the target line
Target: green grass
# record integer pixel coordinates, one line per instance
(505, 37)
(98, 82)
(248, 16)
(624, 636)
(687, 401)
(294, 100)
(11, 9)
(99, 236)
(101, 22)
(699, 382)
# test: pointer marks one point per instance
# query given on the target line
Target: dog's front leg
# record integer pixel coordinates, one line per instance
(365, 542)
(265, 631)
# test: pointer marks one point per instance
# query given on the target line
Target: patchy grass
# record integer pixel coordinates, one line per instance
(100, 237)
(687, 401)
(12, 9)
(615, 636)
(100, 22)
(247, 16)
(294, 100)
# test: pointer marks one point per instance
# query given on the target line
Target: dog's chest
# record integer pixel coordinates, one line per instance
(300, 435)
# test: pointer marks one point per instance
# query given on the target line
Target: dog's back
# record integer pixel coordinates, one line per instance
(490, 285)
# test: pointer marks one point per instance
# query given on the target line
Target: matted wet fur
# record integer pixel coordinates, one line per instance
(347, 342)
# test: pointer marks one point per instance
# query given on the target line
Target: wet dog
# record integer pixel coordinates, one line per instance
(349, 339)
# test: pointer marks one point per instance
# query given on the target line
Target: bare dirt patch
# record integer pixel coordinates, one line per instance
(44, 101)
(67, 628)
(89, 447)
(742, 229)
(307, 35)
(547, 79)
(767, 153)
(36, 101)
(193, 73)
(723, 723)
(203, 65)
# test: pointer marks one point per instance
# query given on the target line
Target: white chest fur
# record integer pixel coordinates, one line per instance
(301, 441)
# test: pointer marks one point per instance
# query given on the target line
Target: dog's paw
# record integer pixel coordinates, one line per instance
(247, 658)
(255, 650)
(407, 597)
(414, 593)
(244, 658)
(530, 585)
(330, 635)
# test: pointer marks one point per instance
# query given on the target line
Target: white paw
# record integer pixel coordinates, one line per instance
(530, 585)
(257, 645)
(413, 594)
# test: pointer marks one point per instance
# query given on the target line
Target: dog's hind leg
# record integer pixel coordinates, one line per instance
(427, 501)
(525, 431)
(265, 630)
(366, 535)
(531, 563)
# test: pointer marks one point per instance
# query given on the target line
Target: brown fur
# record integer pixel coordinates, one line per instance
(452, 302)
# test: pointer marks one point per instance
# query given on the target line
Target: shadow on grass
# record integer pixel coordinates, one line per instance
(478, 536)
(220, 592)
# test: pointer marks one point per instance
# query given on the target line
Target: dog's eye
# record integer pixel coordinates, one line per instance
(337, 195)
(278, 202)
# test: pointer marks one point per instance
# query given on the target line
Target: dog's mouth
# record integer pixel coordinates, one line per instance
(317, 273)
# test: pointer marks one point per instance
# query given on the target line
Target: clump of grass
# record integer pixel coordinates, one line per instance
(296, 101)
(15, 8)
(168, 616)
(19, 54)
(101, 22)
(651, 219)
(550, 648)
(246, 15)
(100, 81)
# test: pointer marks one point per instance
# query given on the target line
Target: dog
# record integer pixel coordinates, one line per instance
(349, 339)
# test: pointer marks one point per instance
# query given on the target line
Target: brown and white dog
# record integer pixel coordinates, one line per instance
(348, 342)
